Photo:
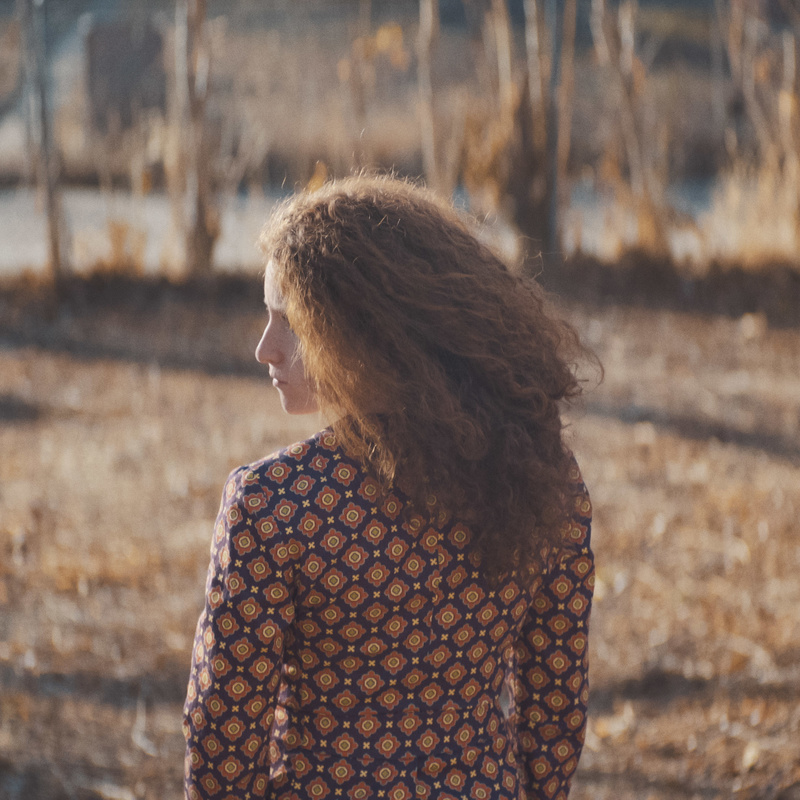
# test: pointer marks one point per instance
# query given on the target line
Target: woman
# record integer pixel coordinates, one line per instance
(373, 589)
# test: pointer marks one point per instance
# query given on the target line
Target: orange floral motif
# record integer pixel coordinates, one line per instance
(233, 585)
(242, 649)
(375, 531)
(355, 556)
(367, 724)
(345, 473)
(309, 524)
(390, 699)
(238, 689)
(376, 612)
(333, 541)
(354, 596)
(319, 463)
(285, 510)
(413, 566)
(259, 569)
(266, 528)
(342, 771)
(350, 648)
(249, 609)
(392, 507)
(233, 729)
(352, 515)
(303, 485)
(244, 543)
(396, 590)
(370, 682)
(394, 663)
(256, 501)
(328, 499)
(377, 574)
(333, 580)
(255, 706)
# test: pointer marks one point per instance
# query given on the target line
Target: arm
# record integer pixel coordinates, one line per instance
(551, 674)
(238, 650)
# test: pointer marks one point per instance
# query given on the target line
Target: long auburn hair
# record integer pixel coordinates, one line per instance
(444, 371)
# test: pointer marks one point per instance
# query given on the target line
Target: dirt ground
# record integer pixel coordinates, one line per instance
(122, 413)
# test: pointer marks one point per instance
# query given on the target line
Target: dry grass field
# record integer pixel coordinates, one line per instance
(122, 411)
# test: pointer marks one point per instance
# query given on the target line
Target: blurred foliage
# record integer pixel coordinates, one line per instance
(653, 94)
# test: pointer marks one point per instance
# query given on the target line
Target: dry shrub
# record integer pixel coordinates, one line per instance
(126, 255)
(488, 134)
(753, 218)
(755, 212)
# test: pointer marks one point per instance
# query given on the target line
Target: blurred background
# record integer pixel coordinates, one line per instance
(641, 158)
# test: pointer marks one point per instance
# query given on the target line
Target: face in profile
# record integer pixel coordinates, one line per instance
(279, 349)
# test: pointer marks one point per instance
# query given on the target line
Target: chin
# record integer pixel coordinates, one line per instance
(297, 407)
(299, 411)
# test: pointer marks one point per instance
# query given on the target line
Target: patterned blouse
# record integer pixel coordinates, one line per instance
(347, 650)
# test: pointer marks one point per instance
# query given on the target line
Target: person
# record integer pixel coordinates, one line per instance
(398, 606)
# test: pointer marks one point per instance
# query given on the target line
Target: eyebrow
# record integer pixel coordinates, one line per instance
(274, 309)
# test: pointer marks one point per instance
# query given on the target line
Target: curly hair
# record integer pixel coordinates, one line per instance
(443, 370)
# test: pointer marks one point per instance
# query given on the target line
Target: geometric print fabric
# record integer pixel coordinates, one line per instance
(349, 649)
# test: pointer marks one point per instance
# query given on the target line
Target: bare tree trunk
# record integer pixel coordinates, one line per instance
(501, 25)
(538, 71)
(556, 26)
(742, 41)
(515, 155)
(428, 31)
(24, 12)
(754, 109)
(786, 112)
(627, 109)
(533, 189)
(615, 47)
(717, 69)
(563, 17)
(34, 19)
(192, 76)
(566, 89)
(787, 117)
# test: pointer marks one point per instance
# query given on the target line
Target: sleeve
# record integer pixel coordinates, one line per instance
(237, 658)
(550, 674)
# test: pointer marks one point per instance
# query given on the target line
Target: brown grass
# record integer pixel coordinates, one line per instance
(122, 413)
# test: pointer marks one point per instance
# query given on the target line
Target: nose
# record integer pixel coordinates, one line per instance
(266, 352)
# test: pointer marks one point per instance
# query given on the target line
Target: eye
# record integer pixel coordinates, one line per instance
(279, 318)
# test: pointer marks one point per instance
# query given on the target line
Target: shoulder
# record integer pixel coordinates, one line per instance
(577, 529)
(581, 502)
(276, 484)
(263, 502)
(281, 468)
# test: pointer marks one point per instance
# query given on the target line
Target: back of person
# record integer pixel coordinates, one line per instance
(385, 647)
(371, 630)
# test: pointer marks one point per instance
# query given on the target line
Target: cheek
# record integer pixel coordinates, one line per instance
(289, 343)
(298, 397)
(301, 379)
